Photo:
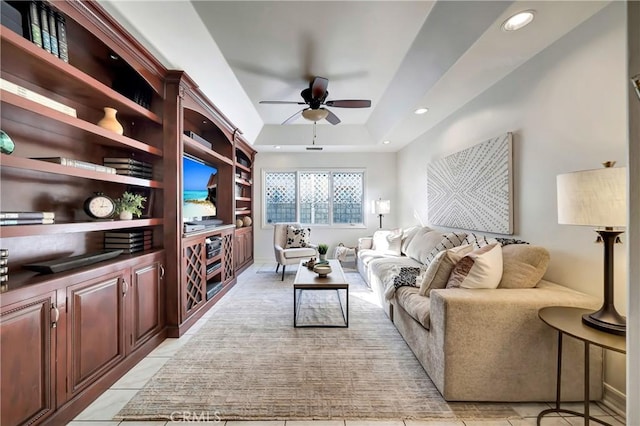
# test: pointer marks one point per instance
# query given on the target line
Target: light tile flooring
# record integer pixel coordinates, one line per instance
(102, 410)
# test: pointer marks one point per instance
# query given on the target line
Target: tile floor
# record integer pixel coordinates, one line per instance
(102, 410)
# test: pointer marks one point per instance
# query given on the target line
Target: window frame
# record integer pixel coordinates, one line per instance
(328, 170)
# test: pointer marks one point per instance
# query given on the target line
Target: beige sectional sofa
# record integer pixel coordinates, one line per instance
(481, 344)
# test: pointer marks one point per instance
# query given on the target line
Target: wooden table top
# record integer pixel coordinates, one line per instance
(306, 278)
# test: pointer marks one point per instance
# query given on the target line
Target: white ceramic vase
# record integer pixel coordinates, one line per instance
(126, 215)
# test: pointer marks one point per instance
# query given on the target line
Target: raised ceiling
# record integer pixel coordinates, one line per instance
(400, 54)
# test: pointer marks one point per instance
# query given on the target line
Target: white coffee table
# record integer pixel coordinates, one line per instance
(308, 280)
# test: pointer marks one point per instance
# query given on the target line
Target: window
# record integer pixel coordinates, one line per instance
(314, 197)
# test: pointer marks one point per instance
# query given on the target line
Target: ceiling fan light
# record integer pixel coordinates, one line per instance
(315, 114)
(517, 21)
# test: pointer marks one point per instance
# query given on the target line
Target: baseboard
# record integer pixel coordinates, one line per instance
(614, 400)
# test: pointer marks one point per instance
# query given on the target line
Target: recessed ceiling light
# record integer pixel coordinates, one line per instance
(386, 142)
(277, 147)
(518, 21)
(421, 110)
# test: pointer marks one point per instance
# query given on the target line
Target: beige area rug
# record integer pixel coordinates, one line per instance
(247, 362)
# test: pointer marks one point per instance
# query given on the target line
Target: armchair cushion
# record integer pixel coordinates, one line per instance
(297, 237)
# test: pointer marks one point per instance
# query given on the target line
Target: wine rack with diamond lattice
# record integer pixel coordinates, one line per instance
(194, 280)
(206, 276)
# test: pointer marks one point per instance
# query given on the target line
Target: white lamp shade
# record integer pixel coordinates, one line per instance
(382, 206)
(593, 197)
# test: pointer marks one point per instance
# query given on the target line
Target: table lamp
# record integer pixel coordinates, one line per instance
(381, 207)
(597, 198)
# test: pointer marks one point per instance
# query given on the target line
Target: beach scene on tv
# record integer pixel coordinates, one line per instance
(199, 190)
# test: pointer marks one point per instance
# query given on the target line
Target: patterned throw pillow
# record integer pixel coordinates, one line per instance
(478, 241)
(507, 241)
(297, 237)
(450, 240)
(482, 268)
(440, 268)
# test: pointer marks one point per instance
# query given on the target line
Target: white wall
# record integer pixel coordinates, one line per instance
(567, 108)
(380, 182)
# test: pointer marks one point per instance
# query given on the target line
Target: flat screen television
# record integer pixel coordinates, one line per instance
(199, 190)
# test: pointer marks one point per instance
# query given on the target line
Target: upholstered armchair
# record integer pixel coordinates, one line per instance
(285, 254)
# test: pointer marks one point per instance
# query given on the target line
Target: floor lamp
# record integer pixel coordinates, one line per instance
(597, 198)
(381, 207)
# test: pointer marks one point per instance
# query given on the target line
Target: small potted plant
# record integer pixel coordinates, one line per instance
(129, 204)
(322, 251)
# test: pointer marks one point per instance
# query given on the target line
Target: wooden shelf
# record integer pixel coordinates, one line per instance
(214, 259)
(195, 148)
(22, 110)
(242, 212)
(22, 58)
(66, 228)
(242, 182)
(243, 198)
(44, 166)
(241, 167)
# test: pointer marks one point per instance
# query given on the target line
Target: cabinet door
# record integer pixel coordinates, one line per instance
(248, 245)
(146, 303)
(95, 336)
(193, 280)
(238, 249)
(27, 351)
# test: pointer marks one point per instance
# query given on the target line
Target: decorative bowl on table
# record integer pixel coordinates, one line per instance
(322, 270)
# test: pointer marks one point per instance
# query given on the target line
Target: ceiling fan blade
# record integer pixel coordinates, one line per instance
(282, 102)
(332, 118)
(319, 87)
(349, 103)
(293, 118)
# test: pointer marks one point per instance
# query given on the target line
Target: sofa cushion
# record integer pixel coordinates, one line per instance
(367, 255)
(387, 242)
(417, 306)
(297, 237)
(482, 268)
(523, 265)
(450, 240)
(299, 252)
(440, 268)
(409, 233)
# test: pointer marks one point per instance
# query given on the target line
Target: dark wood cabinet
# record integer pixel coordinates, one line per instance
(95, 324)
(27, 350)
(243, 182)
(243, 247)
(146, 298)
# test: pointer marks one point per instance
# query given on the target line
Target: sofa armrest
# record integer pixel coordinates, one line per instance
(365, 243)
(500, 330)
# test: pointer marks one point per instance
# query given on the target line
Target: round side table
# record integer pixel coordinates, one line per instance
(568, 320)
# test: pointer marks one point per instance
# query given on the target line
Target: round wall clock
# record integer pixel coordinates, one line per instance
(99, 206)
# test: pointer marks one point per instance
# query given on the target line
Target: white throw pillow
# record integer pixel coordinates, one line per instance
(297, 237)
(482, 268)
(388, 242)
(422, 243)
(440, 268)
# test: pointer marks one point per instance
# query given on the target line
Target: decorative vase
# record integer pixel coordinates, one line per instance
(126, 215)
(110, 122)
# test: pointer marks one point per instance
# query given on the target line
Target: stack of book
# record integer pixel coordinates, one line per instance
(70, 162)
(46, 28)
(129, 240)
(27, 218)
(130, 167)
(36, 97)
(4, 268)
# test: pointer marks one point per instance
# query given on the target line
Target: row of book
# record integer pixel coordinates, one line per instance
(4, 266)
(48, 29)
(130, 241)
(27, 218)
(129, 167)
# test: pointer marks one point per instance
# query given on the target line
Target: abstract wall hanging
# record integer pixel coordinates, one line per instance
(472, 189)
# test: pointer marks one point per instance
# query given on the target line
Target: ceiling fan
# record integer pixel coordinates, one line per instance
(315, 97)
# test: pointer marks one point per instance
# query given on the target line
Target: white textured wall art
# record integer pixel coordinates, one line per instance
(472, 189)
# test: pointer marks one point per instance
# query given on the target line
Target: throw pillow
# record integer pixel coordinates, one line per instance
(478, 240)
(523, 265)
(482, 268)
(409, 233)
(440, 268)
(407, 277)
(297, 237)
(388, 242)
(450, 240)
(508, 241)
(422, 244)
